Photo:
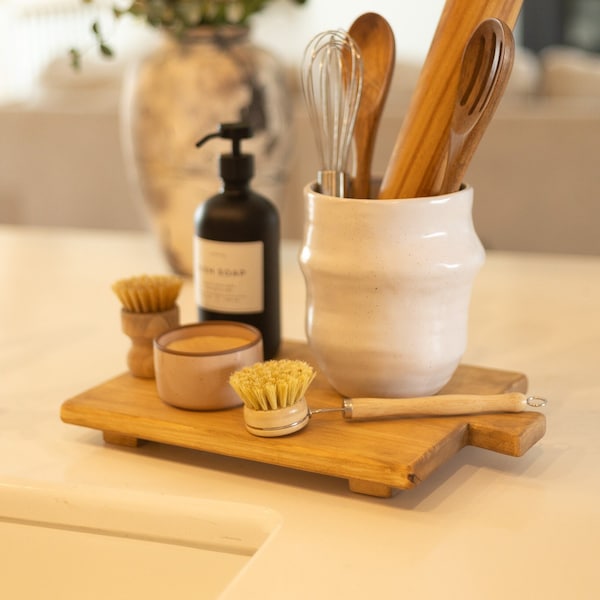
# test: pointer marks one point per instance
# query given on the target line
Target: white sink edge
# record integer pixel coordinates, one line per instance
(220, 526)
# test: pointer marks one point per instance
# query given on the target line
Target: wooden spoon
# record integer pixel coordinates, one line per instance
(375, 40)
(485, 69)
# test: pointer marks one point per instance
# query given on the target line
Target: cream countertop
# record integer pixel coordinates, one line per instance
(482, 526)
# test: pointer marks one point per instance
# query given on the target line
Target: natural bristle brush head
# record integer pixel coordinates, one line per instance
(148, 293)
(273, 395)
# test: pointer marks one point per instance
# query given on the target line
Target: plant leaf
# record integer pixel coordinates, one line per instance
(75, 58)
(106, 50)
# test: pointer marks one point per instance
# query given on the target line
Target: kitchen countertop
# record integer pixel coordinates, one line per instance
(482, 526)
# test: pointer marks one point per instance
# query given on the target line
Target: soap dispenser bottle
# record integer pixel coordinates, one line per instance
(236, 247)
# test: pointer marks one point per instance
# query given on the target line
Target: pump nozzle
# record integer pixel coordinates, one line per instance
(235, 132)
(234, 167)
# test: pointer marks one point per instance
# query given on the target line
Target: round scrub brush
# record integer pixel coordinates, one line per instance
(273, 396)
(148, 309)
(274, 400)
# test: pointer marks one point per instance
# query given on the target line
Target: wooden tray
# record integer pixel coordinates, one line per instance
(375, 457)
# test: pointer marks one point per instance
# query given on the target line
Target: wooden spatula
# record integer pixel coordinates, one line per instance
(422, 141)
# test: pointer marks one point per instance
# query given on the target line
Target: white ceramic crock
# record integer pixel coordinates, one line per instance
(388, 290)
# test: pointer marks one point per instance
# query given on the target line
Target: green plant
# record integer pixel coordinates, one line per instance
(177, 16)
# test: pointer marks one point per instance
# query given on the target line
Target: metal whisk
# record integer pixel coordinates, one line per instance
(332, 75)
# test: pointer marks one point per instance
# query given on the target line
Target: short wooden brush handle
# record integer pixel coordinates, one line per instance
(449, 404)
(142, 328)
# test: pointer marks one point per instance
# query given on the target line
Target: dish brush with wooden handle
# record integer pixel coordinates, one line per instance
(274, 392)
(149, 308)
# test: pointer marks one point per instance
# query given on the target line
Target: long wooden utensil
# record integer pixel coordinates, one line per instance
(486, 66)
(422, 140)
(375, 40)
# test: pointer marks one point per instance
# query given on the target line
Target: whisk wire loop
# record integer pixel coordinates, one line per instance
(332, 75)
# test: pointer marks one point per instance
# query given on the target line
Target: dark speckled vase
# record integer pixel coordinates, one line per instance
(181, 92)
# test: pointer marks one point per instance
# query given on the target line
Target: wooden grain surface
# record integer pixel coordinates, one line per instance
(375, 457)
(414, 168)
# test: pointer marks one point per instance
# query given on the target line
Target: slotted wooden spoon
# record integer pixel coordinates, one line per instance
(375, 40)
(485, 69)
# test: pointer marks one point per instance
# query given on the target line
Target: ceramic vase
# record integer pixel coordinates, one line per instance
(178, 93)
(388, 290)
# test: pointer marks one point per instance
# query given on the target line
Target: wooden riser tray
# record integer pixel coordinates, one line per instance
(375, 457)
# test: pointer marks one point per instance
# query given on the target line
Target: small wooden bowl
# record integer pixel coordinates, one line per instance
(193, 363)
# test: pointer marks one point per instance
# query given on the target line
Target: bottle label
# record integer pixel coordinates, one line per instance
(229, 276)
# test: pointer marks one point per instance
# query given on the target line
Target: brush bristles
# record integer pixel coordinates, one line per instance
(148, 293)
(272, 384)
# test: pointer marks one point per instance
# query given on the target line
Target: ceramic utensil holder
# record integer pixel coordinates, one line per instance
(142, 328)
(388, 290)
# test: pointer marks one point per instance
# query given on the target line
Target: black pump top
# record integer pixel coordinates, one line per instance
(234, 167)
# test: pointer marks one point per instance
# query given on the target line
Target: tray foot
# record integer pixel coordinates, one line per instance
(372, 488)
(121, 439)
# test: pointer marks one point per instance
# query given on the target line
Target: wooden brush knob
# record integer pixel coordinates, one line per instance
(142, 328)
